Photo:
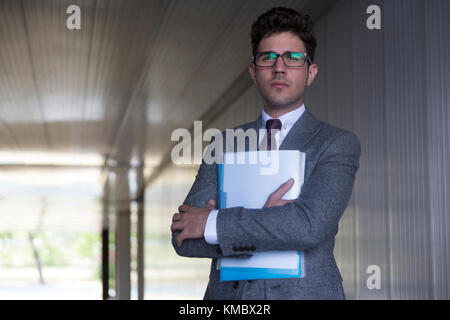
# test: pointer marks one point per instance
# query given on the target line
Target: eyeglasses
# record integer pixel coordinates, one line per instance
(290, 59)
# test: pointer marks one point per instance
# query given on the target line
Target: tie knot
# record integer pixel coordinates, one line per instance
(273, 124)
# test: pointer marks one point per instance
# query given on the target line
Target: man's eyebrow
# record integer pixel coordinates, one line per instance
(287, 51)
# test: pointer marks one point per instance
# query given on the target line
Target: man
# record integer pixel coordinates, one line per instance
(282, 69)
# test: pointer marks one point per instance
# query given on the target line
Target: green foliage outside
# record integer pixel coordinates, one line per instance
(55, 249)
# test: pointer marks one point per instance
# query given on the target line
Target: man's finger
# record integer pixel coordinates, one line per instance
(176, 217)
(176, 225)
(180, 239)
(183, 208)
(211, 205)
(280, 192)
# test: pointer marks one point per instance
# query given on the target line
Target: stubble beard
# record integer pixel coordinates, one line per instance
(281, 103)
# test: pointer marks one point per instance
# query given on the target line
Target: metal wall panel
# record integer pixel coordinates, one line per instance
(407, 151)
(372, 230)
(390, 87)
(437, 15)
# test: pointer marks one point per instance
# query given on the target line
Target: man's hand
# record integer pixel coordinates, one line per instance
(275, 200)
(191, 221)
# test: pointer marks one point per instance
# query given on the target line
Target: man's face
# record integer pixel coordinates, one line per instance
(282, 88)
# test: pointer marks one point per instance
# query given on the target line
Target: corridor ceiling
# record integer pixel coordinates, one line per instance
(112, 92)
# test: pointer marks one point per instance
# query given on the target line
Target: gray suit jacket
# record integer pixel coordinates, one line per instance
(309, 224)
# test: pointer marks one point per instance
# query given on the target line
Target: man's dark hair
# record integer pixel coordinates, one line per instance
(283, 19)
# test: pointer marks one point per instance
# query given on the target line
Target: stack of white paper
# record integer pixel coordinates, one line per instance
(246, 179)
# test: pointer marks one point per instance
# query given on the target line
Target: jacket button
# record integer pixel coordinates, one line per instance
(235, 284)
(235, 249)
(219, 251)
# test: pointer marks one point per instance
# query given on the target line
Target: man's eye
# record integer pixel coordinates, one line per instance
(270, 57)
(295, 56)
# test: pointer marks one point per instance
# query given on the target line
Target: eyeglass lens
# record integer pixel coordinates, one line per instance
(292, 59)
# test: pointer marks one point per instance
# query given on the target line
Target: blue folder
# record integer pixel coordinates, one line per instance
(233, 274)
(243, 184)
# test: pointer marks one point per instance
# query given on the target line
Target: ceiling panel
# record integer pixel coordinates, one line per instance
(119, 86)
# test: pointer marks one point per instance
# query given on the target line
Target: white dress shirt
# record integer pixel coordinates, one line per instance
(287, 122)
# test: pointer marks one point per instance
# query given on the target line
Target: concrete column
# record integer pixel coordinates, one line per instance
(123, 243)
(140, 249)
(105, 240)
(140, 235)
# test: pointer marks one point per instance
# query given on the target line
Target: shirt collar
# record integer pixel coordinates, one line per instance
(287, 119)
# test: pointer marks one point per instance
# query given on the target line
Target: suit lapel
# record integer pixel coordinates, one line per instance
(302, 132)
(255, 126)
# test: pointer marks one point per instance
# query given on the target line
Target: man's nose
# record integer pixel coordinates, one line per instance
(279, 66)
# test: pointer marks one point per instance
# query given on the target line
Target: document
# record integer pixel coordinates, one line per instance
(246, 179)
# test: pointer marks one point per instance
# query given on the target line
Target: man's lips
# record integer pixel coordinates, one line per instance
(279, 84)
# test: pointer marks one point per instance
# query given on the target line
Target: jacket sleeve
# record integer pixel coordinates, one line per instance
(205, 188)
(303, 224)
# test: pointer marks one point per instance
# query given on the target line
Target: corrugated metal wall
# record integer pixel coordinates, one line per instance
(391, 87)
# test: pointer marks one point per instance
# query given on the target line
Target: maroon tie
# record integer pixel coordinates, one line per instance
(272, 124)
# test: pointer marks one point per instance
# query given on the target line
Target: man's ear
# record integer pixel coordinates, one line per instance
(312, 72)
(252, 71)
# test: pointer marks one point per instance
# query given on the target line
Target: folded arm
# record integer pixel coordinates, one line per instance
(303, 224)
(299, 225)
(203, 190)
